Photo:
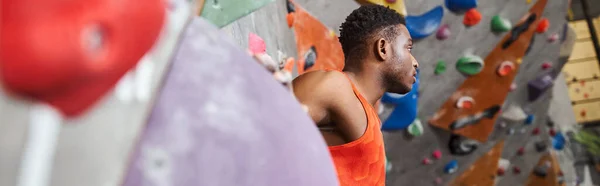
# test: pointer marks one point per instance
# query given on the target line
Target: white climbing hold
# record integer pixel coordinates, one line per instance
(503, 164)
(514, 113)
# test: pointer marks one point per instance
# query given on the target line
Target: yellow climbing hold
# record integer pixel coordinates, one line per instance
(332, 33)
(528, 1)
(519, 61)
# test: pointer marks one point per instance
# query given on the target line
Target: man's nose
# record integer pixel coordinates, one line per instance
(415, 63)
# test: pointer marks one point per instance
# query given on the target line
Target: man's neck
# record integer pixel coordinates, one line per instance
(368, 83)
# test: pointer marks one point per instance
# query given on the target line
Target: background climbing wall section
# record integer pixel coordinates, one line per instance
(582, 74)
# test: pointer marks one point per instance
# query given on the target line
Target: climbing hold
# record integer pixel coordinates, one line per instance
(514, 113)
(550, 123)
(451, 167)
(582, 83)
(440, 67)
(510, 131)
(465, 102)
(513, 86)
(516, 170)
(416, 128)
(470, 64)
(583, 113)
(519, 60)
(460, 5)
(439, 181)
(503, 163)
(553, 37)
(437, 154)
(388, 165)
(552, 132)
(290, 20)
(500, 24)
(472, 17)
(256, 44)
(390, 1)
(505, 68)
(541, 170)
(528, 1)
(576, 90)
(421, 26)
(332, 34)
(543, 25)
(291, 8)
(459, 146)
(546, 65)
(529, 119)
(310, 58)
(521, 151)
(558, 141)
(535, 131)
(541, 146)
(500, 172)
(539, 85)
(502, 124)
(523, 130)
(426, 161)
(443, 32)
(586, 95)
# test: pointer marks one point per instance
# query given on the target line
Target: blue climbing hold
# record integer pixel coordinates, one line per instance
(405, 111)
(451, 167)
(421, 26)
(460, 5)
(529, 119)
(558, 141)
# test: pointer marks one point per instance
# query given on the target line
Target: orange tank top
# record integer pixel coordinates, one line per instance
(362, 161)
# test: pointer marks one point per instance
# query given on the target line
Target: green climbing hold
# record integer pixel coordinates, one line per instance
(415, 128)
(500, 24)
(388, 165)
(470, 64)
(440, 67)
(224, 12)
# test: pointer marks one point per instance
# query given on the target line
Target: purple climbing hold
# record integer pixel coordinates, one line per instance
(443, 32)
(539, 85)
(460, 5)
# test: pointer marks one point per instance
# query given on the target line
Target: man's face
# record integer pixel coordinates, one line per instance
(401, 68)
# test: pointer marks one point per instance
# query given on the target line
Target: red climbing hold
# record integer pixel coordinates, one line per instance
(535, 131)
(437, 154)
(586, 95)
(582, 83)
(505, 68)
(543, 25)
(546, 65)
(256, 44)
(426, 161)
(516, 170)
(472, 17)
(290, 19)
(583, 113)
(552, 132)
(500, 171)
(521, 151)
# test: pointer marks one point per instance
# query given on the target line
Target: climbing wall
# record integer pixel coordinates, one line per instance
(582, 75)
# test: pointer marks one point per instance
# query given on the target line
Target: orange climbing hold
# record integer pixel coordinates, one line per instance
(543, 25)
(290, 20)
(472, 17)
(583, 113)
(505, 68)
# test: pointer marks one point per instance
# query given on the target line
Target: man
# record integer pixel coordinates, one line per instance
(377, 49)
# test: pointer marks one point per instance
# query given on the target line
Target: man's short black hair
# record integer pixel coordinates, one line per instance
(363, 24)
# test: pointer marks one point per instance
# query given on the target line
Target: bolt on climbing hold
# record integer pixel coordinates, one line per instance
(415, 128)
(583, 113)
(256, 44)
(546, 65)
(500, 24)
(443, 32)
(552, 132)
(543, 25)
(535, 131)
(521, 151)
(470, 64)
(516, 170)
(438, 180)
(451, 167)
(502, 124)
(465, 102)
(426, 161)
(553, 37)
(514, 113)
(513, 86)
(505, 68)
(541, 146)
(529, 119)
(500, 172)
(472, 17)
(523, 130)
(437, 154)
(586, 95)
(440, 67)
(510, 131)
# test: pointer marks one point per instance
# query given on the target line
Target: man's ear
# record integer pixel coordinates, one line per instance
(381, 49)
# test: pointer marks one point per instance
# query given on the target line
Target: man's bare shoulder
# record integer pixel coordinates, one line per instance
(325, 84)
